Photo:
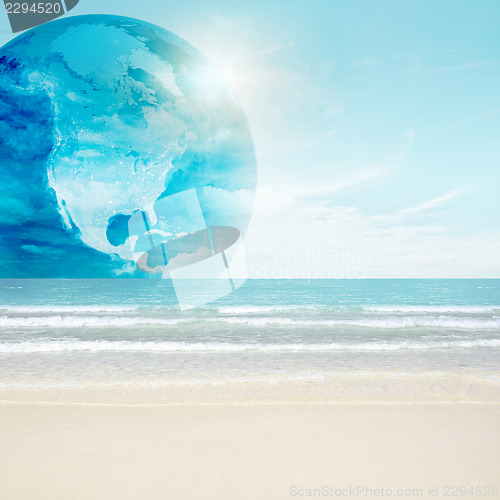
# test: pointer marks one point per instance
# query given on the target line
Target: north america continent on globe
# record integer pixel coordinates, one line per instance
(102, 116)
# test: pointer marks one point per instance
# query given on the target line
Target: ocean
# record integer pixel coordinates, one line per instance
(342, 339)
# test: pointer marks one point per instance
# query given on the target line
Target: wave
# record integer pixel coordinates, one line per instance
(272, 377)
(433, 309)
(57, 321)
(247, 309)
(54, 346)
(238, 310)
(389, 323)
(56, 308)
(76, 321)
(436, 309)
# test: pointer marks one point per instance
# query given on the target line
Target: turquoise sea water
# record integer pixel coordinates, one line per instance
(127, 332)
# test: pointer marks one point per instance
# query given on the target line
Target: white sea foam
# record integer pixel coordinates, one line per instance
(59, 321)
(388, 322)
(394, 322)
(52, 346)
(248, 378)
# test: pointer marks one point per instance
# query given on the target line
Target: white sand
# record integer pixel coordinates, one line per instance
(254, 452)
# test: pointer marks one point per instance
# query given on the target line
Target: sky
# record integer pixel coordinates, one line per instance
(376, 128)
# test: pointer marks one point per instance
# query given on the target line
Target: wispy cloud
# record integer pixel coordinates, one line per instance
(436, 201)
(274, 48)
(270, 199)
(332, 132)
(365, 63)
(321, 190)
(487, 114)
(221, 21)
(469, 65)
(409, 136)
(290, 237)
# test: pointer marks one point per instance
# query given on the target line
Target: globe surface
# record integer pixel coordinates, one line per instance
(101, 116)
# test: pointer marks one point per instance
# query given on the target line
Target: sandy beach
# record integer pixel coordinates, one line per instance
(281, 392)
(247, 451)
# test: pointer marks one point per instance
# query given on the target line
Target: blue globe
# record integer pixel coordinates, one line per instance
(101, 116)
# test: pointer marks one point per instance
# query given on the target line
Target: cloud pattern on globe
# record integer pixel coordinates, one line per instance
(101, 116)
